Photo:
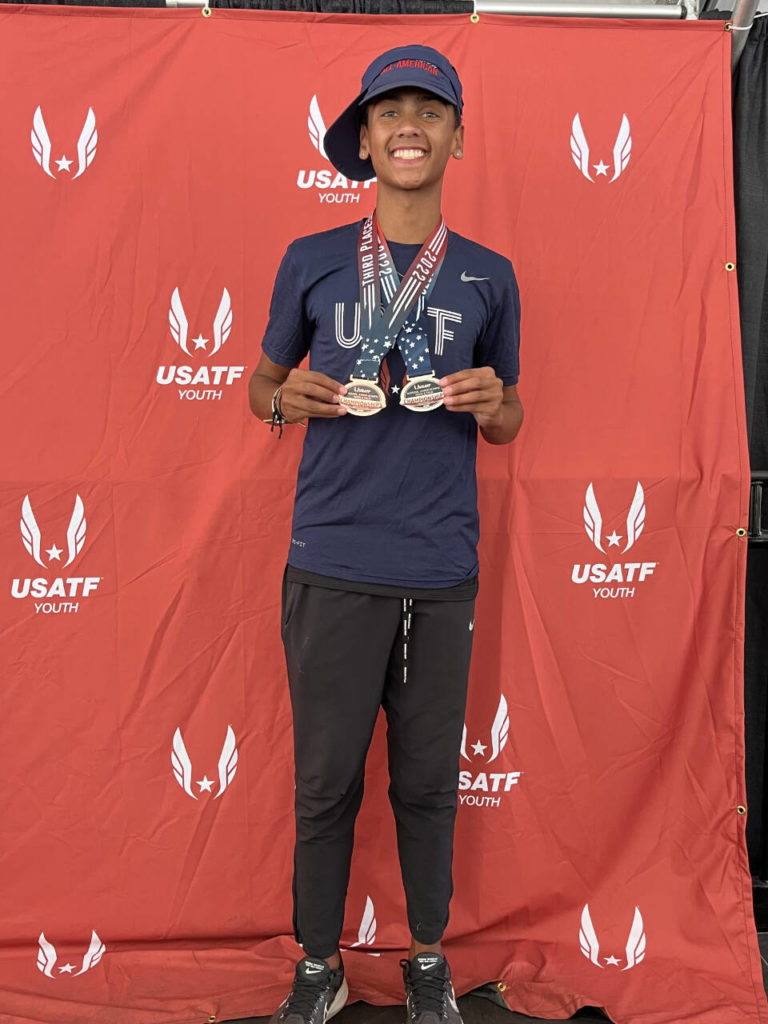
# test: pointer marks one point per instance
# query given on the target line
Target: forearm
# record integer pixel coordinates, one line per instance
(505, 427)
(304, 393)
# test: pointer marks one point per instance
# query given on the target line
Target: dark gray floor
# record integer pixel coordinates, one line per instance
(475, 1009)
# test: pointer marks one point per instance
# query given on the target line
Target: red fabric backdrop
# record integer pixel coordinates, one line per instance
(146, 827)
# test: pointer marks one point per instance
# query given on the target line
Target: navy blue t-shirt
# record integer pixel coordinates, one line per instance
(390, 498)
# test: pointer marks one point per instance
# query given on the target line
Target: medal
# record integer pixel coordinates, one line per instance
(422, 394)
(363, 397)
(390, 309)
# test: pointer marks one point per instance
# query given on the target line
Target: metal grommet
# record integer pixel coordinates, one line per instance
(474, 17)
(741, 809)
(728, 26)
(730, 266)
(741, 532)
(207, 14)
(501, 986)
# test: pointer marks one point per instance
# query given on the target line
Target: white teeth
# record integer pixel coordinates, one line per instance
(408, 154)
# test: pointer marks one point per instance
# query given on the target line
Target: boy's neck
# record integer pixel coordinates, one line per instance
(407, 217)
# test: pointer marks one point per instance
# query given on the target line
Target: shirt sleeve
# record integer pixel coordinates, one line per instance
(288, 334)
(499, 345)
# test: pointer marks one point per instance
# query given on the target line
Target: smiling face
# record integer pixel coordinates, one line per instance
(410, 135)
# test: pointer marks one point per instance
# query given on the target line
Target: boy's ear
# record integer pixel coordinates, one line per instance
(363, 154)
(458, 143)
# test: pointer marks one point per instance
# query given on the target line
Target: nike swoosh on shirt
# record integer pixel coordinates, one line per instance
(465, 277)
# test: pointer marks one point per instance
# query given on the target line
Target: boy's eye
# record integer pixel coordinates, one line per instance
(427, 114)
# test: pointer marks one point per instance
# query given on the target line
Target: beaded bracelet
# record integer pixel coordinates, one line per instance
(278, 419)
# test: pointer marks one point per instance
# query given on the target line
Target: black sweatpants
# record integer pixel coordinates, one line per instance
(347, 655)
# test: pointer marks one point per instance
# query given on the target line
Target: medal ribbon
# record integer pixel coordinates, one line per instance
(381, 327)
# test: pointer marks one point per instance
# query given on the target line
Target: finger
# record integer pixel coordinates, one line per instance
(320, 379)
(460, 375)
(308, 407)
(455, 378)
(465, 387)
(481, 401)
(489, 390)
(308, 389)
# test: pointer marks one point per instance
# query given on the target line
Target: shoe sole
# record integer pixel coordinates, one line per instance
(339, 1002)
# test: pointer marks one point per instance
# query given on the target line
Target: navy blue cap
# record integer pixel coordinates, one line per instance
(416, 66)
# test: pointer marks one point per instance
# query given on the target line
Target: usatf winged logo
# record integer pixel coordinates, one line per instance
(222, 325)
(46, 957)
(32, 538)
(615, 579)
(499, 735)
(593, 520)
(621, 150)
(590, 946)
(86, 145)
(182, 766)
(366, 934)
(486, 787)
(316, 127)
(330, 185)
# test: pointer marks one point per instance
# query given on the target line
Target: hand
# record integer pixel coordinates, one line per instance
(307, 393)
(478, 391)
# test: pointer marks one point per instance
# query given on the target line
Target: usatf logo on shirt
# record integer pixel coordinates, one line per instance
(348, 334)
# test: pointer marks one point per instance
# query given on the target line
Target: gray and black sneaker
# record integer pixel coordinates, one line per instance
(430, 996)
(318, 994)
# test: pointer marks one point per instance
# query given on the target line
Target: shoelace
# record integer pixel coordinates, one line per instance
(428, 991)
(304, 996)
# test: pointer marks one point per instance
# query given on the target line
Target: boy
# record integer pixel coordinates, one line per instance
(412, 333)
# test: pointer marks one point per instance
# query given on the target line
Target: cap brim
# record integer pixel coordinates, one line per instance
(342, 145)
